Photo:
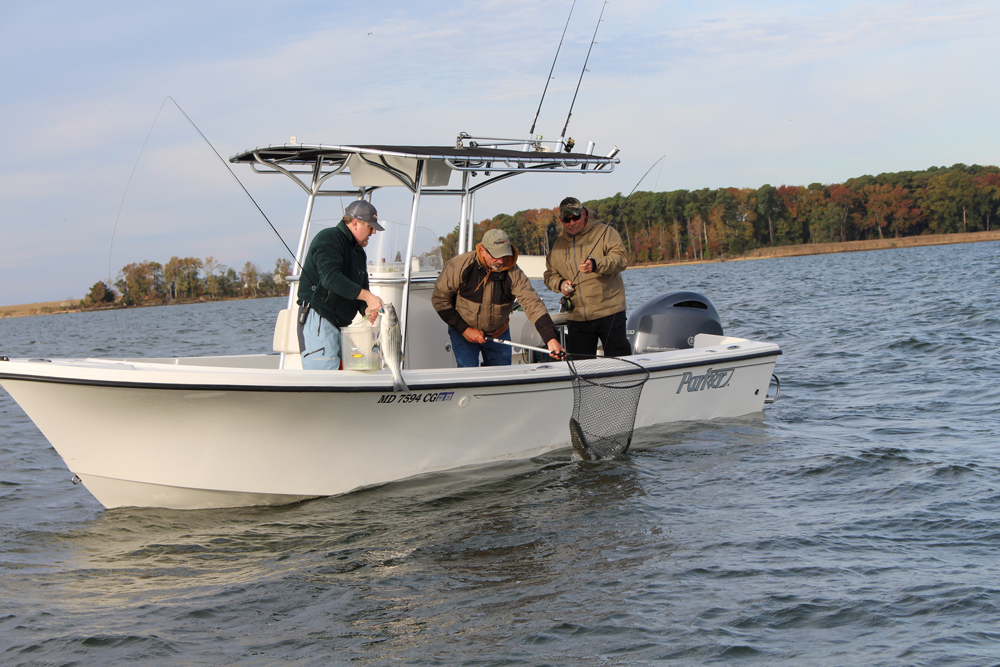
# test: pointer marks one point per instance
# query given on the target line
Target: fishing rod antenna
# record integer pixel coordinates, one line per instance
(568, 145)
(531, 132)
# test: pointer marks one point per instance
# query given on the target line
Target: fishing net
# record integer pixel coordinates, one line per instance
(606, 394)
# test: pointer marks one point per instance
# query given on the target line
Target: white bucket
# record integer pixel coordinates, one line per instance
(356, 343)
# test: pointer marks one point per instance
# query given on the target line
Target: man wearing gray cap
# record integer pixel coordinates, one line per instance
(333, 287)
(475, 295)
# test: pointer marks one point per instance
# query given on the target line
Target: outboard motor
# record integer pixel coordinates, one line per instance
(671, 321)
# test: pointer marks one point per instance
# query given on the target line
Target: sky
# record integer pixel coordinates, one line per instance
(102, 169)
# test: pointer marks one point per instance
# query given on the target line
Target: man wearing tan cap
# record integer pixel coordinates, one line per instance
(475, 295)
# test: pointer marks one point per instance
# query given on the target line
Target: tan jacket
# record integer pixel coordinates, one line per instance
(467, 294)
(597, 294)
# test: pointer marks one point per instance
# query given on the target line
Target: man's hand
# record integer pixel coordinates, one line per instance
(556, 350)
(373, 303)
(567, 287)
(588, 265)
(474, 336)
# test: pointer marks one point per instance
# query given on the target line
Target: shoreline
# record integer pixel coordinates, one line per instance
(838, 247)
(71, 306)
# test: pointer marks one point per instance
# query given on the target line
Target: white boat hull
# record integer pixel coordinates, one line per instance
(190, 435)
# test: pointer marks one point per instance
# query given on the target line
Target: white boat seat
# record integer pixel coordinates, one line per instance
(286, 335)
(286, 339)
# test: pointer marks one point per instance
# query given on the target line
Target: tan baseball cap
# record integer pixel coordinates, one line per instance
(497, 244)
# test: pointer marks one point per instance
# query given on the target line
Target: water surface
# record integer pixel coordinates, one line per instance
(855, 521)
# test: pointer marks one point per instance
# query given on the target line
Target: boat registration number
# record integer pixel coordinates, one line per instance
(430, 397)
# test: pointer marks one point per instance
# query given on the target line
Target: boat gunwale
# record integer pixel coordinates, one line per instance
(413, 384)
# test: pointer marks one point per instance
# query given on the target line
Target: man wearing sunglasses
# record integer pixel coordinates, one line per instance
(585, 266)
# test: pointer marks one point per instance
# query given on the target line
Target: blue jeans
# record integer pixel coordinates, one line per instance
(322, 344)
(467, 354)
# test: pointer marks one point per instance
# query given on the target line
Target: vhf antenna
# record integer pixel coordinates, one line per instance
(592, 41)
(531, 132)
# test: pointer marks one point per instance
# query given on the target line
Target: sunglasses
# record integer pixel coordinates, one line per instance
(572, 218)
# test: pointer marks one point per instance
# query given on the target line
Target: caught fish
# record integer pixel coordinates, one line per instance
(391, 346)
(596, 448)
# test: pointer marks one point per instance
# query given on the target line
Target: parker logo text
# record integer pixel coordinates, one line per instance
(712, 379)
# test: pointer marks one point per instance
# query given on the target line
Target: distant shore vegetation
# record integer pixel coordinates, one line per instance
(185, 279)
(687, 225)
(657, 227)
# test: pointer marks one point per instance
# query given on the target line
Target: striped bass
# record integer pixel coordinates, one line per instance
(391, 344)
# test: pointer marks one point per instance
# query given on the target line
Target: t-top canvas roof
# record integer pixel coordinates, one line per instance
(380, 165)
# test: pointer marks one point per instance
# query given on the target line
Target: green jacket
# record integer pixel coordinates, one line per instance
(334, 273)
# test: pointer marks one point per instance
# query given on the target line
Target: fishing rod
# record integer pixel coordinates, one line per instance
(522, 346)
(608, 225)
(238, 181)
(592, 42)
(531, 132)
(302, 269)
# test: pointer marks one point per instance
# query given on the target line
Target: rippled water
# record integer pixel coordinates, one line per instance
(855, 521)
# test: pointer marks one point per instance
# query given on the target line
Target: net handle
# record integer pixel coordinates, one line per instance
(522, 346)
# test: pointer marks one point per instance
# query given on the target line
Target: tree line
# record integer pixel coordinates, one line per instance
(670, 226)
(728, 222)
(188, 279)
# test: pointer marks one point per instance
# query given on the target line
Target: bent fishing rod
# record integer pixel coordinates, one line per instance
(238, 181)
(617, 213)
(224, 163)
(302, 269)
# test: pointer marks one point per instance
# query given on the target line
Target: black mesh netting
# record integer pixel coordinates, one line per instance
(606, 394)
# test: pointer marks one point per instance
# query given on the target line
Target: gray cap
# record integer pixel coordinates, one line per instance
(365, 212)
(497, 244)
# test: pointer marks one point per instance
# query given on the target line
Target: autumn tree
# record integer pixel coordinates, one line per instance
(212, 282)
(140, 282)
(282, 269)
(948, 197)
(877, 205)
(250, 279)
(810, 210)
(793, 225)
(99, 293)
(844, 207)
(988, 185)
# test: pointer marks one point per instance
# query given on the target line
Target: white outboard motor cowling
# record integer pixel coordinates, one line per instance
(671, 321)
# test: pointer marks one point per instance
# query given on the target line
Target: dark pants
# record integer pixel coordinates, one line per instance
(583, 336)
